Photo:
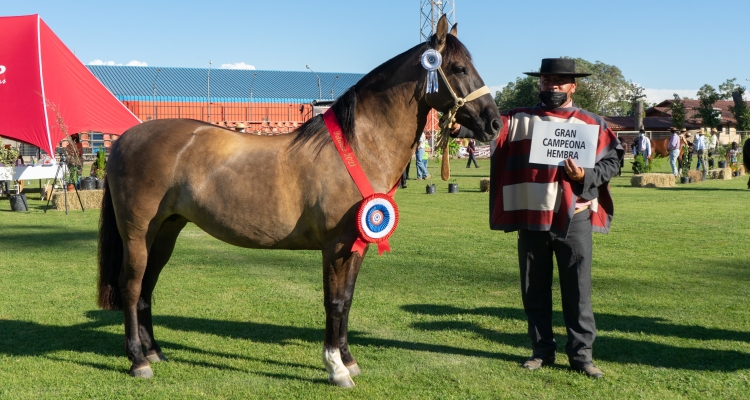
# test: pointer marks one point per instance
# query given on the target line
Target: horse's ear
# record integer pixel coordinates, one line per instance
(440, 34)
(454, 30)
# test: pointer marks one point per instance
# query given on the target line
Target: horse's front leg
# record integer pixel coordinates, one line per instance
(340, 269)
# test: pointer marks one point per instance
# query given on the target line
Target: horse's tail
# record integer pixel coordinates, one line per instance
(746, 154)
(110, 255)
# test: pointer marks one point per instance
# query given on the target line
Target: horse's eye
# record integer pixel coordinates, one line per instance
(458, 69)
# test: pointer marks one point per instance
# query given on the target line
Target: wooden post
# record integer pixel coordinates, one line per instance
(638, 114)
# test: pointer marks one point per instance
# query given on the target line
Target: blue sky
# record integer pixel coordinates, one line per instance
(667, 45)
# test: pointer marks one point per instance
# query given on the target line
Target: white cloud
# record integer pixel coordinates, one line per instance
(496, 88)
(136, 63)
(659, 95)
(100, 62)
(239, 65)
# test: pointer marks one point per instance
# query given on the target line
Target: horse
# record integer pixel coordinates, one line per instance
(163, 174)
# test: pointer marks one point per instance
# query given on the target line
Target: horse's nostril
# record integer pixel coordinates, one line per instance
(496, 125)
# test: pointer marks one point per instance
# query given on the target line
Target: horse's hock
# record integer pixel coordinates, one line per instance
(652, 180)
(89, 198)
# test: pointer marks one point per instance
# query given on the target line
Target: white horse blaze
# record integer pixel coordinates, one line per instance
(334, 365)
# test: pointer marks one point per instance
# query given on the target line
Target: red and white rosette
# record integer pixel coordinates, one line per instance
(377, 218)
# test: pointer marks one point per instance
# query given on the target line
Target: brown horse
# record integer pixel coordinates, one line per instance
(164, 173)
(660, 147)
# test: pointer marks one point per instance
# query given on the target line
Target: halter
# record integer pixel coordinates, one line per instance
(448, 119)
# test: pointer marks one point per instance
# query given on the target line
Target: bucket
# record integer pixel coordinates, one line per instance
(88, 183)
(453, 188)
(684, 179)
(431, 189)
(18, 202)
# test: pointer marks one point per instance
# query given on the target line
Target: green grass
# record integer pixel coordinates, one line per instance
(440, 317)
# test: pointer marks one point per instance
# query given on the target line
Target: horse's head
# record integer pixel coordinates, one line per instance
(460, 87)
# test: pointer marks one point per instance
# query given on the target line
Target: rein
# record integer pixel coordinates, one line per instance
(449, 118)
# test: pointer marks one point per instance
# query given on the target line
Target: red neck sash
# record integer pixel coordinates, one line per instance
(376, 219)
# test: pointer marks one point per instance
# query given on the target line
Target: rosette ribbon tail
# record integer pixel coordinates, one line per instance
(432, 82)
(360, 245)
(383, 247)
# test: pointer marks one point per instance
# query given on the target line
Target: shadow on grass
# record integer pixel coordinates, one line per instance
(611, 349)
(45, 236)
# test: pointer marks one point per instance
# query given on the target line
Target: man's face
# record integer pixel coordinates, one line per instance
(557, 83)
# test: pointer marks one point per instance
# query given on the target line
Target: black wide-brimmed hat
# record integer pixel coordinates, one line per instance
(558, 66)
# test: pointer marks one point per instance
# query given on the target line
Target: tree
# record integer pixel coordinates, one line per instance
(524, 92)
(678, 112)
(605, 91)
(707, 96)
(740, 110)
(727, 88)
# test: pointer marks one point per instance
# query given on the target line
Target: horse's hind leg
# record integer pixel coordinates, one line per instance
(340, 269)
(135, 259)
(159, 254)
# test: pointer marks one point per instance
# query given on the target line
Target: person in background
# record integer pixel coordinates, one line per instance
(700, 146)
(240, 127)
(471, 148)
(421, 165)
(405, 175)
(20, 163)
(674, 150)
(732, 154)
(643, 145)
(426, 157)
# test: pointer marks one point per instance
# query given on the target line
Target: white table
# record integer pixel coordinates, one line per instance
(28, 172)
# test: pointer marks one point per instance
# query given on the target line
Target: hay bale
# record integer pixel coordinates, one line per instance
(484, 184)
(652, 180)
(720, 173)
(89, 198)
(695, 175)
(741, 170)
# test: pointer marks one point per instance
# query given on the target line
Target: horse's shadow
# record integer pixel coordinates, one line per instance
(609, 348)
(89, 338)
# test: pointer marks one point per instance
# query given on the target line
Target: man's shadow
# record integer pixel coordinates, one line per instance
(608, 348)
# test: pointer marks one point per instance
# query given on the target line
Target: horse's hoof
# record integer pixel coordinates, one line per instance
(142, 372)
(343, 382)
(156, 357)
(354, 370)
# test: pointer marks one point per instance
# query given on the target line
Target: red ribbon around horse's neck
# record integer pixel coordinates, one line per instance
(356, 172)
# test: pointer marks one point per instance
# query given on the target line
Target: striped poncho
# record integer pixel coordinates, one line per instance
(541, 197)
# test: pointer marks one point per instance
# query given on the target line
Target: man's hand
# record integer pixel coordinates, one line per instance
(575, 173)
(456, 128)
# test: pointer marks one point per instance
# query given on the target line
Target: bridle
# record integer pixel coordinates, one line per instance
(449, 118)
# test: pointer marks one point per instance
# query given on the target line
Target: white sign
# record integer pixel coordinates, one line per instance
(554, 142)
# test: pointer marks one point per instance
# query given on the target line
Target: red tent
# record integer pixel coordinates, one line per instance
(42, 81)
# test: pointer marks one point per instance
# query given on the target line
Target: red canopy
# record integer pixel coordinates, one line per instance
(40, 78)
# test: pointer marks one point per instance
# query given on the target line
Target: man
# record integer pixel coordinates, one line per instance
(674, 150)
(711, 142)
(643, 145)
(700, 146)
(554, 209)
(471, 149)
(420, 155)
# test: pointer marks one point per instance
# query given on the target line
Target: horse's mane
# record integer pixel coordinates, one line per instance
(344, 107)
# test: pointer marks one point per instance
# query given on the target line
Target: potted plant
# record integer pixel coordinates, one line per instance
(99, 168)
(72, 177)
(8, 157)
(453, 186)
(685, 165)
(639, 165)
(721, 151)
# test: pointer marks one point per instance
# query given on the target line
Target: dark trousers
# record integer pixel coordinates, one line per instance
(471, 158)
(405, 175)
(535, 250)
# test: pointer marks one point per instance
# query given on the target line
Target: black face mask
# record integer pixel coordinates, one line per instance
(553, 99)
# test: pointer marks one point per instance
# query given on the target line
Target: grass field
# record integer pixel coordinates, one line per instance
(440, 317)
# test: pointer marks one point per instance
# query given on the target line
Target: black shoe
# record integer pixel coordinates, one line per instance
(536, 362)
(590, 370)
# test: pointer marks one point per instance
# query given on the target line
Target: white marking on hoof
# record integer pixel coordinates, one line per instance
(354, 370)
(338, 373)
(142, 372)
(156, 357)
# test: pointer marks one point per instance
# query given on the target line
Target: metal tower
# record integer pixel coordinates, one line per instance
(430, 12)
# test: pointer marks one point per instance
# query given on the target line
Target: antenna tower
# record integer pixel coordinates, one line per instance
(430, 12)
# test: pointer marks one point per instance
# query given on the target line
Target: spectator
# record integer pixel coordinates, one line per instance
(472, 148)
(643, 145)
(700, 146)
(674, 151)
